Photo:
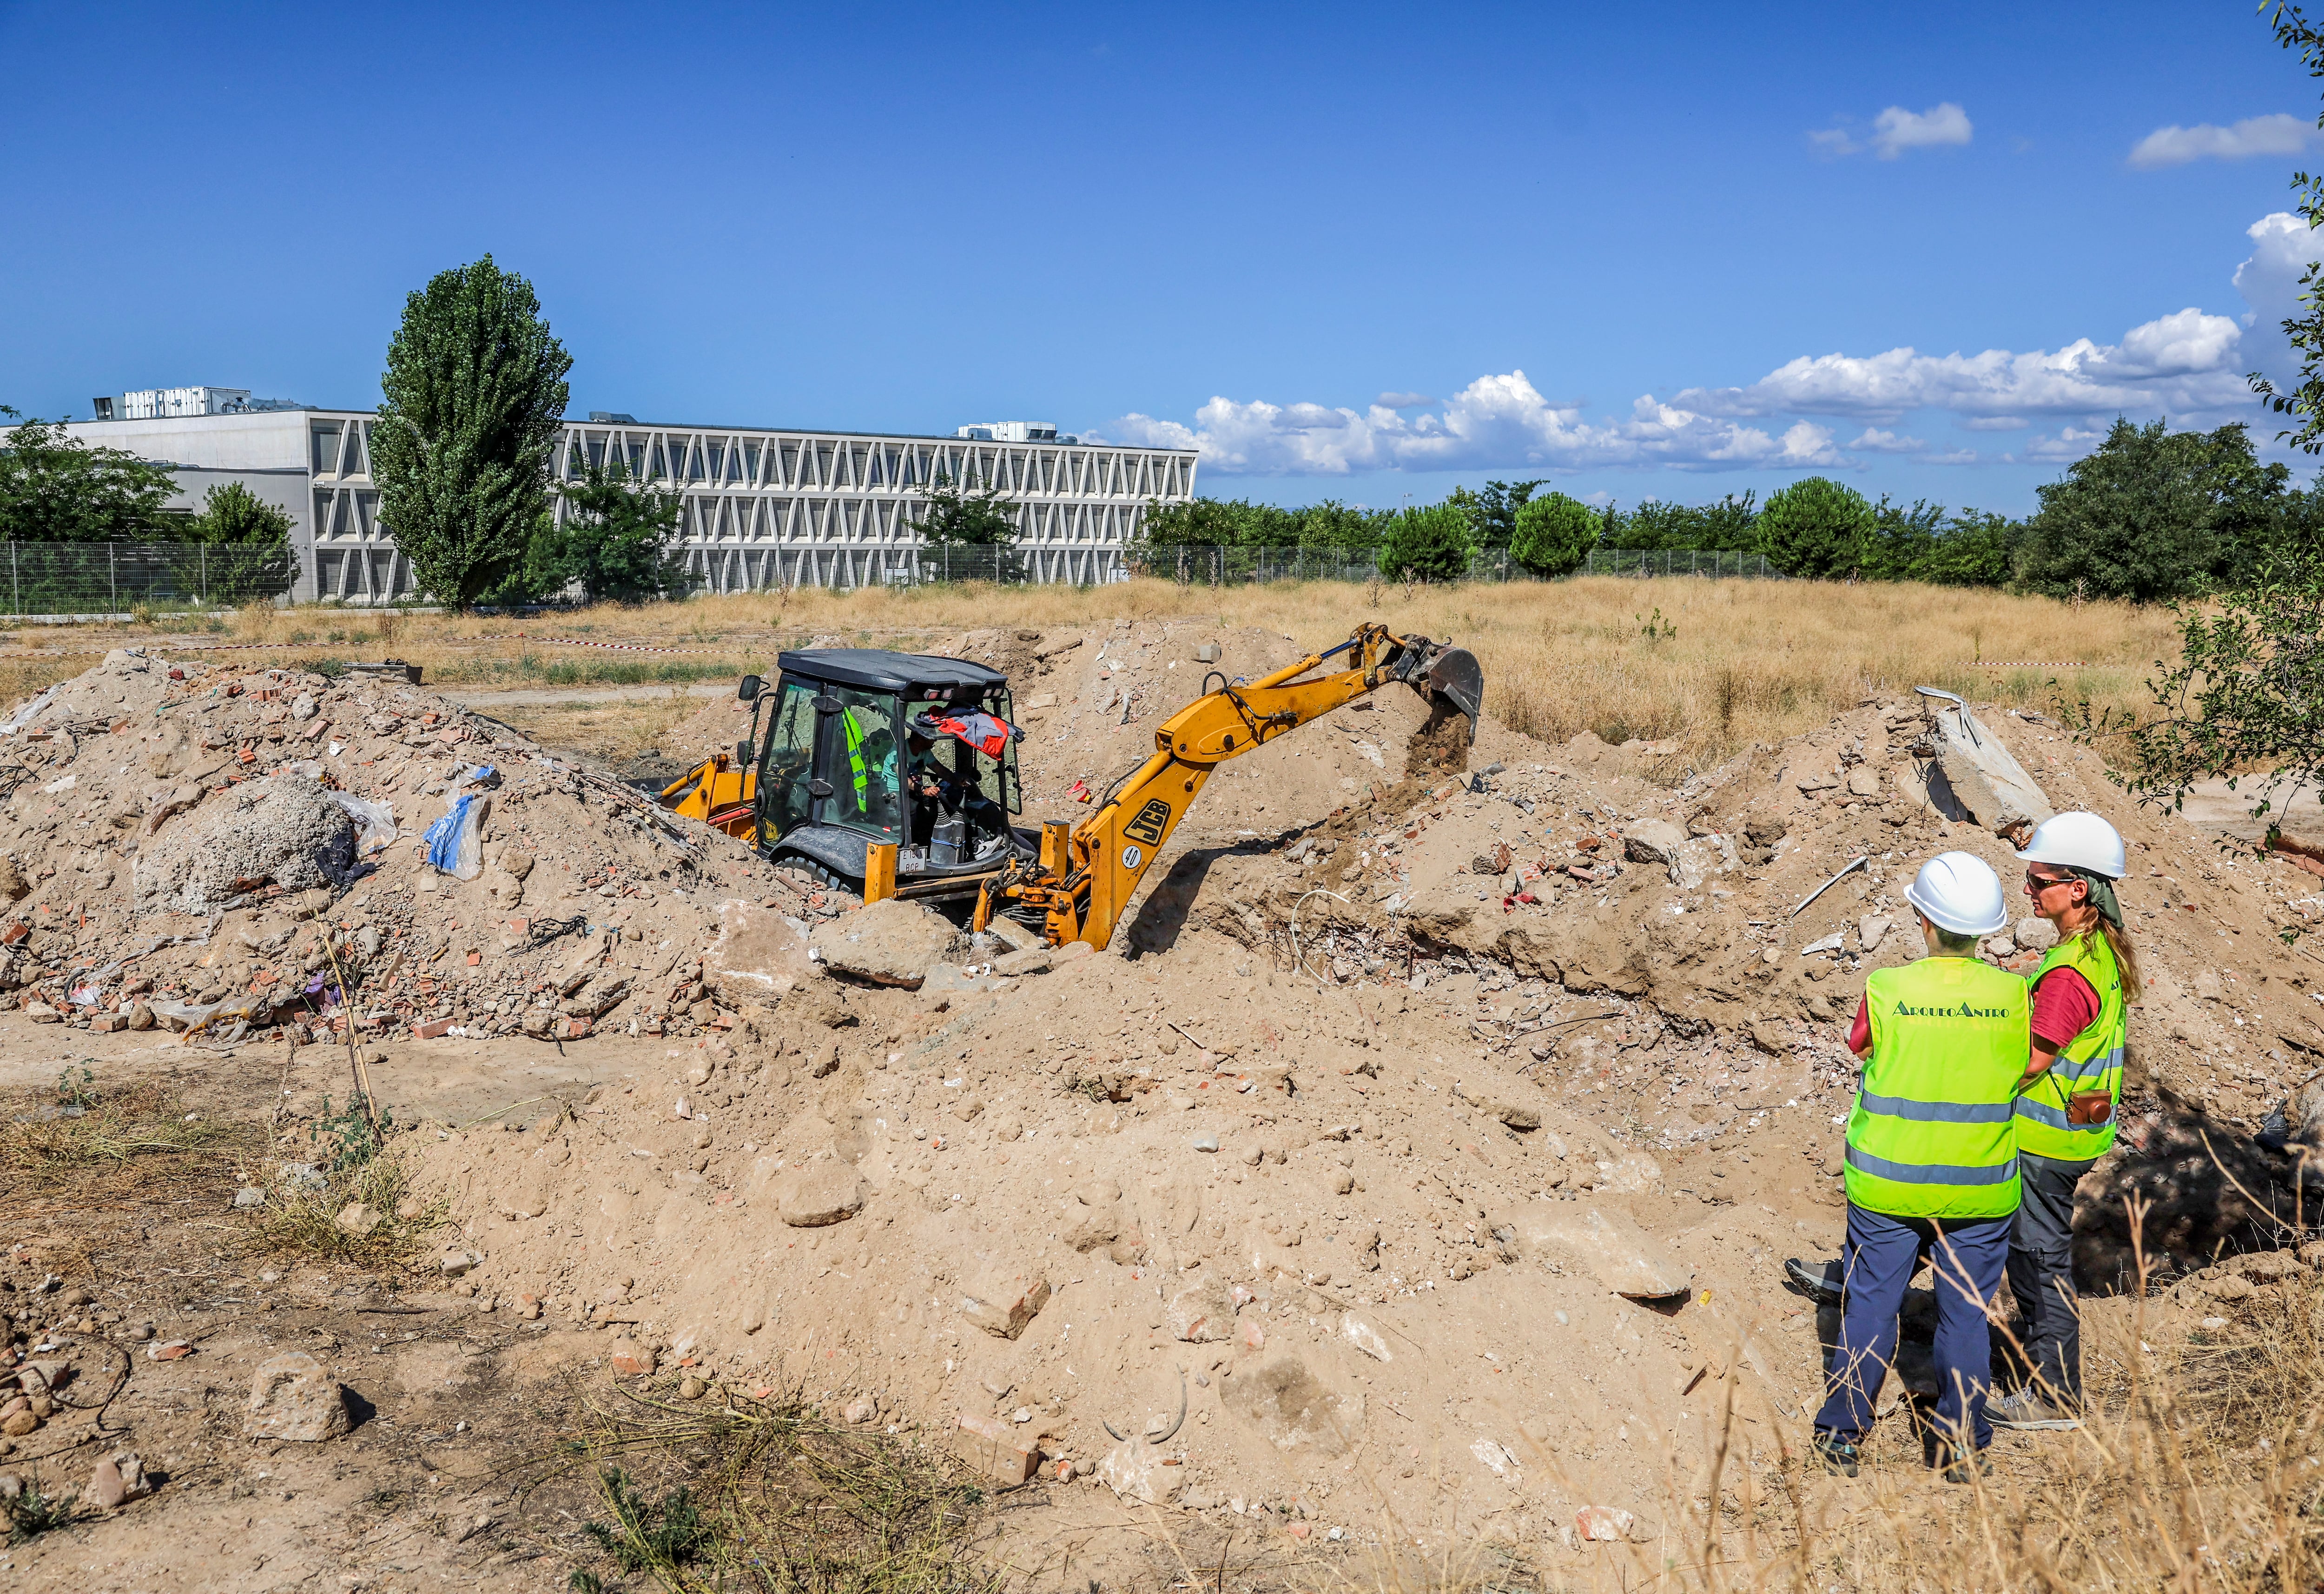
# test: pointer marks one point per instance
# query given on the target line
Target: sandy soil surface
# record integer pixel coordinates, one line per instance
(1417, 1165)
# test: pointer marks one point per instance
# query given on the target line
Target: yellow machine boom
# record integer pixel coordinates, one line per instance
(1086, 873)
(716, 793)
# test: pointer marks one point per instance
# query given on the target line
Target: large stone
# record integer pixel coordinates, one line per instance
(117, 1480)
(889, 942)
(1291, 1408)
(1137, 1471)
(284, 831)
(2034, 935)
(1004, 1299)
(1986, 782)
(293, 1398)
(1651, 840)
(759, 955)
(827, 1190)
(1863, 781)
(1623, 1256)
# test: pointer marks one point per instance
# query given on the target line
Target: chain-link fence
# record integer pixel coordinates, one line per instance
(117, 579)
(1678, 561)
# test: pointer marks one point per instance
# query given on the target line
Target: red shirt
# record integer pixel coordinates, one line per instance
(2064, 1005)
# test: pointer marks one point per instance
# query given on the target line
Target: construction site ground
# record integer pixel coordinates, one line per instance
(1417, 1167)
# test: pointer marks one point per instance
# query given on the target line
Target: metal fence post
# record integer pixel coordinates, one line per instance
(112, 574)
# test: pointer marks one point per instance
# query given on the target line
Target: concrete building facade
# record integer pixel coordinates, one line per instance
(760, 507)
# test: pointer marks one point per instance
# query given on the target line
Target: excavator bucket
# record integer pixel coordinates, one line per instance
(1454, 675)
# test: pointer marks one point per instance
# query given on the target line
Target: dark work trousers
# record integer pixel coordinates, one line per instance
(2041, 1277)
(1967, 1256)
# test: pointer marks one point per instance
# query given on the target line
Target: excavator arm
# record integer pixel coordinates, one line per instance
(1086, 873)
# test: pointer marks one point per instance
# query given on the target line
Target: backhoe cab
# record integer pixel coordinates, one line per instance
(893, 774)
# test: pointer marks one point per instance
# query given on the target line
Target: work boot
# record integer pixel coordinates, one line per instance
(2027, 1413)
(1961, 1466)
(1820, 1285)
(1837, 1454)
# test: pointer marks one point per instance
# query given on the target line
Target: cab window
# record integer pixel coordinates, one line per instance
(860, 756)
(787, 759)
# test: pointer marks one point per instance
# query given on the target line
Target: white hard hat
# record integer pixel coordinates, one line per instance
(1960, 892)
(2078, 841)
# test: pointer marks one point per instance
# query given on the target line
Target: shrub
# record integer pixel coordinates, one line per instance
(1816, 527)
(1429, 544)
(1553, 534)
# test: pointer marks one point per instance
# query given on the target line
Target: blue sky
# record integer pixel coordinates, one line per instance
(1706, 236)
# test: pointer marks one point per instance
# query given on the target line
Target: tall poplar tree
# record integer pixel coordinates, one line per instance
(475, 394)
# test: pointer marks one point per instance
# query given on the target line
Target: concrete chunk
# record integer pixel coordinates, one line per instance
(890, 943)
(1988, 784)
(1004, 1300)
(1623, 1256)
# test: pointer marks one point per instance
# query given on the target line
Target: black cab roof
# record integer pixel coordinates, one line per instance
(876, 669)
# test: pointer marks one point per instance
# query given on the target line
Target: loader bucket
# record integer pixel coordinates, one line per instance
(1454, 675)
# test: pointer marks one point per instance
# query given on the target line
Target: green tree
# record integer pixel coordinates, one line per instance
(1430, 543)
(1816, 527)
(474, 391)
(1554, 534)
(56, 488)
(232, 513)
(1497, 507)
(2245, 699)
(1343, 528)
(245, 546)
(1973, 547)
(2153, 514)
(616, 542)
(963, 516)
(2305, 399)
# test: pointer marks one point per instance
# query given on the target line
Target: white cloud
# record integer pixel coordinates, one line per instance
(1876, 441)
(2284, 247)
(2186, 362)
(1896, 129)
(2069, 445)
(2279, 135)
(1495, 421)
(2188, 365)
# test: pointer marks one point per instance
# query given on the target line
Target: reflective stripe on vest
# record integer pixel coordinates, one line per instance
(2092, 1060)
(1932, 1133)
(856, 759)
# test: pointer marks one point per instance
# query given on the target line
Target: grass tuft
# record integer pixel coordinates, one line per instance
(732, 1492)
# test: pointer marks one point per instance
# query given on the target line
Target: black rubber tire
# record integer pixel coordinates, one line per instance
(795, 863)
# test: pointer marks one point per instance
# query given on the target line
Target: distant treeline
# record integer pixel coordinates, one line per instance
(2152, 515)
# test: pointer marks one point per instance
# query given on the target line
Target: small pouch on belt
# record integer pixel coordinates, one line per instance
(2085, 1108)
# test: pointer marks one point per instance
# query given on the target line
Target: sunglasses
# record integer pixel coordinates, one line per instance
(2042, 883)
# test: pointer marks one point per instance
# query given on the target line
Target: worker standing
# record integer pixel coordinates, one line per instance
(1931, 1164)
(2066, 1112)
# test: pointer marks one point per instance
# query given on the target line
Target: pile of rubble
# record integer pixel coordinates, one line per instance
(232, 855)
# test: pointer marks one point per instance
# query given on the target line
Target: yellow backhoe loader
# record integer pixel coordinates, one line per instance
(895, 774)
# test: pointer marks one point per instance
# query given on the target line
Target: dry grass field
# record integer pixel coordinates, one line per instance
(1713, 664)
